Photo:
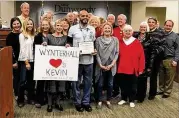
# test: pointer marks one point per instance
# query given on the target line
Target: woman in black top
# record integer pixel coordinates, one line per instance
(144, 38)
(39, 38)
(13, 40)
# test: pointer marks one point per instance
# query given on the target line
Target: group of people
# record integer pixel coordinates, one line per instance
(121, 63)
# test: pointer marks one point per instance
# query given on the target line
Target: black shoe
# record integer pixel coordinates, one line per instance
(79, 108)
(165, 96)
(140, 101)
(49, 108)
(87, 108)
(59, 107)
(115, 95)
(159, 93)
(31, 102)
(151, 97)
(20, 105)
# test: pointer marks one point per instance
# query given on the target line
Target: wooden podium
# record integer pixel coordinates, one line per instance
(6, 86)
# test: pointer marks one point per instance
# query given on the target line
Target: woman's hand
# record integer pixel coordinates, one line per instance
(44, 44)
(109, 66)
(28, 66)
(15, 66)
(67, 45)
(103, 67)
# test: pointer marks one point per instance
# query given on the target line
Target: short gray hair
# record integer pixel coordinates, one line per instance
(127, 27)
(124, 16)
(111, 15)
(70, 13)
(24, 3)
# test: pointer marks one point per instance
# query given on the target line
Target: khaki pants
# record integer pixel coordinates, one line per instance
(167, 75)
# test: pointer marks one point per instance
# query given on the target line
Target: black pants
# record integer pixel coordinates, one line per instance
(128, 86)
(26, 82)
(153, 77)
(16, 78)
(40, 93)
(115, 86)
(141, 88)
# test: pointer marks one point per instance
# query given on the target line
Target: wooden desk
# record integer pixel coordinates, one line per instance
(3, 35)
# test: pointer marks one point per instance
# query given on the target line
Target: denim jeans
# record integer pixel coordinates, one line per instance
(26, 82)
(105, 76)
(86, 71)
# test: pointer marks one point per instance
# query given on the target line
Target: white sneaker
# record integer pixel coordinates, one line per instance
(121, 102)
(132, 104)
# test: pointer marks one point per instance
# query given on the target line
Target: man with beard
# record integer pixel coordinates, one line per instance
(80, 33)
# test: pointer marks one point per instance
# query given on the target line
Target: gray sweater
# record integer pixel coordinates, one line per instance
(171, 46)
(107, 51)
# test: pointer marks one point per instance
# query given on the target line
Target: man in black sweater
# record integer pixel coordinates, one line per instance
(169, 62)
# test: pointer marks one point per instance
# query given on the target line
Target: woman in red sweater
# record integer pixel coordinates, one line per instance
(131, 64)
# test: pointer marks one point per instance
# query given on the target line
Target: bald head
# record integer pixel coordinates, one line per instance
(84, 17)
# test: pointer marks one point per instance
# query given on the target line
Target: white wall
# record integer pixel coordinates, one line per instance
(138, 14)
(172, 11)
(139, 9)
(7, 11)
(157, 12)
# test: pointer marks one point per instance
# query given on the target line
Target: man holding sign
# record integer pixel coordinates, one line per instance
(82, 35)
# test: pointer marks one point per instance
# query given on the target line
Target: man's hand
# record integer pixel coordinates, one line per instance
(94, 53)
(67, 45)
(174, 63)
(15, 66)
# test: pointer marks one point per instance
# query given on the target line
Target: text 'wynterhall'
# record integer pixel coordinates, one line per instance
(60, 53)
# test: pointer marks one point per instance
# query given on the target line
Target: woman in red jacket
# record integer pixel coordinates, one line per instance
(131, 64)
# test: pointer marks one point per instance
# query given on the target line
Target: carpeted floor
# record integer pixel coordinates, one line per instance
(158, 108)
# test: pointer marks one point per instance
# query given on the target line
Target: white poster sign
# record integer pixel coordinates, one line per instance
(56, 63)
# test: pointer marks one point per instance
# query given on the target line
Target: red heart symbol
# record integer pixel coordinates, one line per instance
(55, 62)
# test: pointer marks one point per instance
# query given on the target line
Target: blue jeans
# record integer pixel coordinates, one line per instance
(26, 82)
(105, 76)
(86, 71)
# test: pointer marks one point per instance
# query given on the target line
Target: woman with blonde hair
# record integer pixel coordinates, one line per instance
(107, 47)
(55, 87)
(95, 22)
(45, 29)
(144, 38)
(26, 62)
